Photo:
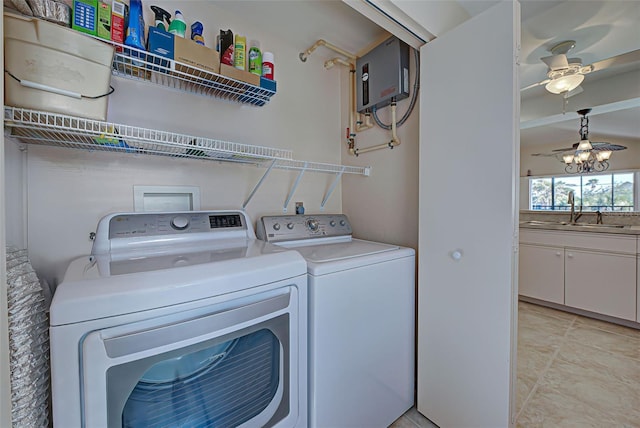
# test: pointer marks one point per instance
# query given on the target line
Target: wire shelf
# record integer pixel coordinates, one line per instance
(53, 129)
(37, 127)
(143, 66)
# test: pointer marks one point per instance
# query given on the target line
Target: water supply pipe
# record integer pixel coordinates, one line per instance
(304, 55)
(395, 141)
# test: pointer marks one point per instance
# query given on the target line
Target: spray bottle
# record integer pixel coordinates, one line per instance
(161, 16)
(178, 26)
(196, 33)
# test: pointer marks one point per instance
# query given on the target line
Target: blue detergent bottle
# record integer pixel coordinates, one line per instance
(196, 33)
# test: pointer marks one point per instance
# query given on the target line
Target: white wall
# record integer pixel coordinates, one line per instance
(69, 190)
(384, 206)
(15, 196)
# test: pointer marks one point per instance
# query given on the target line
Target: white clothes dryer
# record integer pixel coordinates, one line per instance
(180, 319)
(361, 320)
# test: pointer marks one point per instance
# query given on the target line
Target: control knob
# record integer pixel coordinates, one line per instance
(290, 226)
(313, 224)
(180, 222)
(342, 222)
(332, 223)
(276, 226)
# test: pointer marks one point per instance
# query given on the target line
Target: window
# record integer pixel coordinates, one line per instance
(603, 192)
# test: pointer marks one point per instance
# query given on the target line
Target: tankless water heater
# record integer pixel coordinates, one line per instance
(383, 74)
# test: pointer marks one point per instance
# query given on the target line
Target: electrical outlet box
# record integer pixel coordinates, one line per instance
(383, 74)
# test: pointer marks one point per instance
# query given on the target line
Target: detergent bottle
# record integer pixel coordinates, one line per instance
(178, 26)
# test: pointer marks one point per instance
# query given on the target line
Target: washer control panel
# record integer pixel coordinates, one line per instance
(296, 227)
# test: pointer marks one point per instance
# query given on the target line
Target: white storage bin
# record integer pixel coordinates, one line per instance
(55, 59)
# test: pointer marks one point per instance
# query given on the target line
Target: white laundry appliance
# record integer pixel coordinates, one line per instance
(180, 320)
(361, 320)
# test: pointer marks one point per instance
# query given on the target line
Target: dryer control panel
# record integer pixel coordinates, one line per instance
(297, 227)
(129, 231)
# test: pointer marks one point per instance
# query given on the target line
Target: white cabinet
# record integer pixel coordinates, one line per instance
(595, 272)
(604, 283)
(541, 273)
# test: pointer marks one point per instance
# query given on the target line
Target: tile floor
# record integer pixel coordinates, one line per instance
(572, 372)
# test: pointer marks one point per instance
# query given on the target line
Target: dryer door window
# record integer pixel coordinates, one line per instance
(208, 387)
(224, 367)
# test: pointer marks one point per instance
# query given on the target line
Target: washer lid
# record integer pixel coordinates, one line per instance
(331, 252)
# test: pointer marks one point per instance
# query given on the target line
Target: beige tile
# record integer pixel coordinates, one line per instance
(533, 358)
(600, 392)
(549, 408)
(524, 385)
(419, 419)
(549, 312)
(403, 422)
(607, 326)
(600, 339)
(593, 379)
(540, 330)
(603, 365)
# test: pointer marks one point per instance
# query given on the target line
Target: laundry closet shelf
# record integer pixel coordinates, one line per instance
(53, 129)
(140, 65)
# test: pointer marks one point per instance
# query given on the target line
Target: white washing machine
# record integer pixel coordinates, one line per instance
(361, 320)
(180, 319)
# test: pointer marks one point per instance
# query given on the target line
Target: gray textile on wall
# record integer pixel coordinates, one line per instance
(28, 343)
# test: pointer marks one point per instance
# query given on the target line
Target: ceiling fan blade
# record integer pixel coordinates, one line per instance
(566, 149)
(625, 58)
(556, 62)
(544, 82)
(598, 146)
(544, 154)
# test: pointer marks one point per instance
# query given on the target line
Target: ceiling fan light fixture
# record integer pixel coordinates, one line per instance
(603, 155)
(584, 146)
(567, 159)
(583, 156)
(564, 83)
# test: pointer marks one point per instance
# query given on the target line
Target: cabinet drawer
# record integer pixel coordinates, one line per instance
(625, 244)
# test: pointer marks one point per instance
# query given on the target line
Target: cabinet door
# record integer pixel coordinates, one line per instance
(601, 282)
(541, 273)
(466, 289)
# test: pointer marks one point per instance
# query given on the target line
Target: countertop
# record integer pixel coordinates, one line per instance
(580, 227)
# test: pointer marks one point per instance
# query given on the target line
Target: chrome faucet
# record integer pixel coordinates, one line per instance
(571, 201)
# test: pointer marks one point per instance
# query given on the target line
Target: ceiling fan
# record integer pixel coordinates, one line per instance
(566, 74)
(584, 156)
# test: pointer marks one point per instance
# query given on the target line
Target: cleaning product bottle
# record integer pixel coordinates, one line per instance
(178, 26)
(161, 16)
(255, 58)
(267, 65)
(239, 49)
(196, 33)
(226, 47)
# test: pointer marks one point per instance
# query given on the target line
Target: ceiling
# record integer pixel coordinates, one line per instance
(601, 29)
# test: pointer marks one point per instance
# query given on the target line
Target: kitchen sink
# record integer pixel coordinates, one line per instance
(619, 226)
(564, 223)
(544, 223)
